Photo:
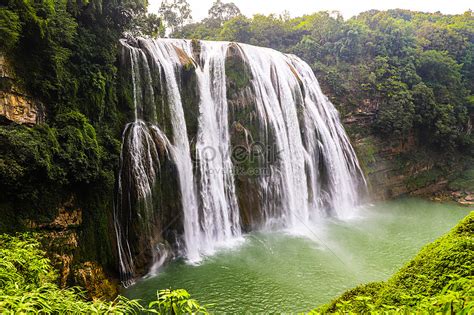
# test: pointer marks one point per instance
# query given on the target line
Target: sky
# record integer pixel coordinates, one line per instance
(347, 8)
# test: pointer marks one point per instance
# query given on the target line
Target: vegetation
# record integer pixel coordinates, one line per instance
(414, 70)
(438, 280)
(27, 285)
(64, 54)
(175, 13)
(465, 181)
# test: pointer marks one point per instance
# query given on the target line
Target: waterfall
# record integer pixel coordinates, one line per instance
(220, 220)
(191, 111)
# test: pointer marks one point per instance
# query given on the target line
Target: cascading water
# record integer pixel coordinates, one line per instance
(220, 219)
(187, 123)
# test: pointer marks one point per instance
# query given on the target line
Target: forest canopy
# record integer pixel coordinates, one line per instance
(414, 69)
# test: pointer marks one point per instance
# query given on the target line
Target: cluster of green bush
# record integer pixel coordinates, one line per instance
(439, 280)
(415, 69)
(28, 285)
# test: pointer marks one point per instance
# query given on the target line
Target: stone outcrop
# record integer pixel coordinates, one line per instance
(60, 238)
(15, 105)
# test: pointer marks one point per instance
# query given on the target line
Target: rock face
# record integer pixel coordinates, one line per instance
(15, 105)
(60, 238)
(395, 167)
(92, 277)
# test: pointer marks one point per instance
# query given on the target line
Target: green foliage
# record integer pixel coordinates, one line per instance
(395, 115)
(221, 12)
(80, 153)
(438, 280)
(29, 172)
(175, 302)
(41, 161)
(366, 153)
(455, 298)
(147, 25)
(236, 29)
(9, 29)
(28, 285)
(237, 73)
(414, 70)
(424, 178)
(175, 14)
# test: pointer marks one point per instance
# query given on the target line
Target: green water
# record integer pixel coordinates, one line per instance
(280, 272)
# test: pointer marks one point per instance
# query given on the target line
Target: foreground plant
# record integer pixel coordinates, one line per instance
(28, 285)
(175, 302)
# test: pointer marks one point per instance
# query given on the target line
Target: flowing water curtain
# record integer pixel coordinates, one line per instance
(144, 145)
(220, 212)
(182, 100)
(345, 180)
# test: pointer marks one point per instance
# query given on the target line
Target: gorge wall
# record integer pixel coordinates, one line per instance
(399, 166)
(60, 222)
(15, 104)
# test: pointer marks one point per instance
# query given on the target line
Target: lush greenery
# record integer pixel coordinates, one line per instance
(64, 55)
(438, 280)
(28, 285)
(414, 70)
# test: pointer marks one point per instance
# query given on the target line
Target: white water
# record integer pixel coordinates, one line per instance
(291, 109)
(220, 219)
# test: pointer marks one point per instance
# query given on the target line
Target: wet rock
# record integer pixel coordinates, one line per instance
(92, 277)
(391, 167)
(68, 217)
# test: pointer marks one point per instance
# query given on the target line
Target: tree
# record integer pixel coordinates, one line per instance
(147, 25)
(175, 14)
(222, 12)
(442, 74)
(236, 29)
(396, 111)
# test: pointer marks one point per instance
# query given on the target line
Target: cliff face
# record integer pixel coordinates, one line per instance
(61, 238)
(15, 105)
(396, 167)
(63, 229)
